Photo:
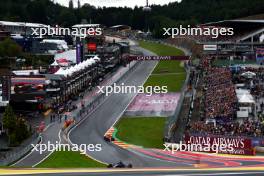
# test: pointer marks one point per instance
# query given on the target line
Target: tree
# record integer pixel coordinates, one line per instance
(79, 4)
(9, 48)
(22, 131)
(67, 18)
(38, 11)
(70, 4)
(9, 120)
(50, 13)
(16, 128)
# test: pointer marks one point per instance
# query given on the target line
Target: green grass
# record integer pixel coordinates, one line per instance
(142, 131)
(169, 73)
(174, 82)
(160, 49)
(169, 66)
(69, 159)
(148, 131)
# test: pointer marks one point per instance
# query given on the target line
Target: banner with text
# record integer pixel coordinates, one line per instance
(239, 145)
(180, 58)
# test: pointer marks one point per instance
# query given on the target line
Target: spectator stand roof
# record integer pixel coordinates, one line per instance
(243, 28)
(86, 25)
(22, 24)
(120, 27)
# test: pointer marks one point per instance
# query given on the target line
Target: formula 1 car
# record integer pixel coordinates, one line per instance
(120, 164)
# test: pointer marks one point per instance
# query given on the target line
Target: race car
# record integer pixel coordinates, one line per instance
(120, 164)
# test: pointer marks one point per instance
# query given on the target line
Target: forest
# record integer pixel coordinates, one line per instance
(174, 14)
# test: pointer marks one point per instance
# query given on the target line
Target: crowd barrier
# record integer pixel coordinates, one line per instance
(17, 153)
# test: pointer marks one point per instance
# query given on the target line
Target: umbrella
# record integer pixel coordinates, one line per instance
(248, 74)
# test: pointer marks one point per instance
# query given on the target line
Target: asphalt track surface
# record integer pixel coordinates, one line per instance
(183, 172)
(51, 135)
(92, 130)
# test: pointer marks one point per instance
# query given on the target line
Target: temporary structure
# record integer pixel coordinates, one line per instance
(248, 74)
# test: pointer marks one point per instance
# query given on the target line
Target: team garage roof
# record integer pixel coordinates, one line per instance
(243, 29)
(120, 27)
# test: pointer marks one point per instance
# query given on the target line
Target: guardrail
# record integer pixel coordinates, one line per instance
(173, 119)
(19, 152)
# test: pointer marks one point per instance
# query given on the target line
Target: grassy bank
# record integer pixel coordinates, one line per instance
(68, 159)
(142, 131)
(148, 131)
(169, 73)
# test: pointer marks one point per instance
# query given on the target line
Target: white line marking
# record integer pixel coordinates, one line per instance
(41, 139)
(21, 159)
(50, 152)
(31, 151)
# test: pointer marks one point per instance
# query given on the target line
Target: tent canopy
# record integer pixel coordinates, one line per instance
(244, 96)
(246, 99)
(78, 67)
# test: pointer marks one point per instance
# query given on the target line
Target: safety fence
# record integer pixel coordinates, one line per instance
(16, 153)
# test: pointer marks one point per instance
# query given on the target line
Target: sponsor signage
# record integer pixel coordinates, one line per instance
(78, 53)
(91, 46)
(6, 88)
(182, 58)
(239, 145)
(52, 89)
(209, 47)
(28, 81)
(260, 56)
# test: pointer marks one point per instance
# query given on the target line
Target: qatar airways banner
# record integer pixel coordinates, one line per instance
(180, 58)
(225, 144)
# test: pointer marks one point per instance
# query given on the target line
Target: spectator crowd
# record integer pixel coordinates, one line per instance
(219, 94)
(247, 128)
(220, 103)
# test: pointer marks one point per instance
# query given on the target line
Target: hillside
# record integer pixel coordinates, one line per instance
(185, 12)
(253, 17)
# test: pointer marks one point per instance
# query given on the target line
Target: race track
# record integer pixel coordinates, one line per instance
(92, 130)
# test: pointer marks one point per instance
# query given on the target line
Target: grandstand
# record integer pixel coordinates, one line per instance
(246, 40)
(218, 108)
(20, 27)
(221, 109)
